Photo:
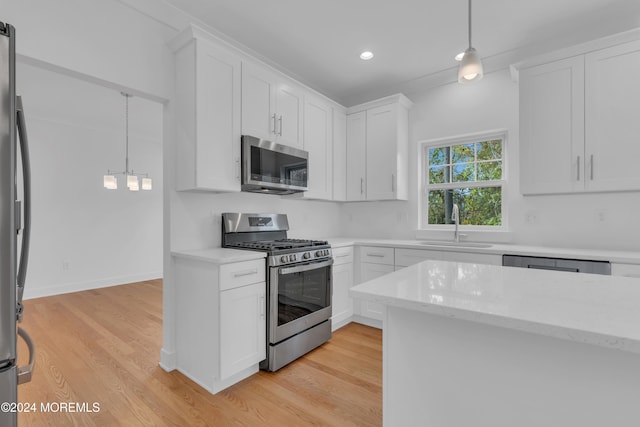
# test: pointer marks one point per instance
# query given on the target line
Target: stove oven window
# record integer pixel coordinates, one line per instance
(302, 293)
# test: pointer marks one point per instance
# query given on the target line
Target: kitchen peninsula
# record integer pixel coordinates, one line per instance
(470, 344)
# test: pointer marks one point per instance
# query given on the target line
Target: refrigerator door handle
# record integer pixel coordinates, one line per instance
(25, 372)
(26, 203)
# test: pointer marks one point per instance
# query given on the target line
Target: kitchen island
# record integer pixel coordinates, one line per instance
(482, 345)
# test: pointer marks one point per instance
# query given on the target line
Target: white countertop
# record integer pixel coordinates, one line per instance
(588, 308)
(220, 255)
(624, 257)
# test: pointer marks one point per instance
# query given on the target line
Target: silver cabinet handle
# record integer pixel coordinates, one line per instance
(361, 185)
(591, 168)
(375, 255)
(280, 120)
(237, 169)
(263, 304)
(578, 178)
(25, 372)
(26, 204)
(393, 182)
(274, 124)
(246, 273)
(342, 256)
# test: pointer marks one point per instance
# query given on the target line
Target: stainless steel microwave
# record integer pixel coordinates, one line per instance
(273, 168)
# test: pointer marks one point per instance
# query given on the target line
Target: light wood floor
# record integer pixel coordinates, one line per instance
(103, 346)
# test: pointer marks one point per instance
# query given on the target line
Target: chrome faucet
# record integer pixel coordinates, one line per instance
(455, 217)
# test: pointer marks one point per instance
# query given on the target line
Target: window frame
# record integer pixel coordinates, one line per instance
(423, 160)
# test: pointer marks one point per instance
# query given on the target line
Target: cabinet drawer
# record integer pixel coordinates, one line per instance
(376, 255)
(242, 273)
(342, 255)
(626, 270)
(407, 257)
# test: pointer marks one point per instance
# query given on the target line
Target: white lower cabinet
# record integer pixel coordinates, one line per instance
(243, 328)
(374, 262)
(341, 303)
(625, 270)
(368, 271)
(220, 322)
(407, 257)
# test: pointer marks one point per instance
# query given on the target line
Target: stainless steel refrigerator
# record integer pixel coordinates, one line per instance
(15, 228)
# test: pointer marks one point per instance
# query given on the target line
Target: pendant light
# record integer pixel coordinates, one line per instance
(471, 66)
(133, 184)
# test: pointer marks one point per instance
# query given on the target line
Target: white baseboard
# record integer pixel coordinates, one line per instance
(45, 291)
(168, 360)
(374, 323)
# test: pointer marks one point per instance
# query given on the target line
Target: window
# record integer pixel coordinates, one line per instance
(469, 172)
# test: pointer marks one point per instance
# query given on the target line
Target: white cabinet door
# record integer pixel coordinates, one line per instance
(208, 117)
(258, 102)
(381, 152)
(552, 127)
(407, 257)
(318, 116)
(271, 106)
(475, 258)
(612, 121)
(339, 156)
(356, 155)
(242, 328)
(341, 302)
(289, 112)
(370, 271)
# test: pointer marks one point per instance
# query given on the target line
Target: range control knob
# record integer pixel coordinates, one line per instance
(292, 257)
(306, 255)
(284, 258)
(326, 251)
(318, 253)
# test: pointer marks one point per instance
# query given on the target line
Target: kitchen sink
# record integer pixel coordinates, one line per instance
(455, 244)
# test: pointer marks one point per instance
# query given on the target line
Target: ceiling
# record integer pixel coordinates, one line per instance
(319, 42)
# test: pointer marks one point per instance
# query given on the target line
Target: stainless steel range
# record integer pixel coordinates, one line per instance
(298, 284)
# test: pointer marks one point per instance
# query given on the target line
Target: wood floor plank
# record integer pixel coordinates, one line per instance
(103, 346)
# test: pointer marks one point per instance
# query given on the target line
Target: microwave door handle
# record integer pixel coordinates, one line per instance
(306, 267)
(26, 178)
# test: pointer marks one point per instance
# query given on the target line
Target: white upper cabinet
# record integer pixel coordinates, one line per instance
(377, 150)
(552, 127)
(356, 156)
(272, 107)
(339, 155)
(318, 138)
(578, 123)
(207, 114)
(612, 119)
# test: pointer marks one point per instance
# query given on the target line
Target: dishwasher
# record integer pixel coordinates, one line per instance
(557, 264)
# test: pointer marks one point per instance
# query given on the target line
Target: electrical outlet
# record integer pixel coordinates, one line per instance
(531, 218)
(601, 216)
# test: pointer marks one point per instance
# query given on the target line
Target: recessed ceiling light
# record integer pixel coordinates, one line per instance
(459, 56)
(366, 55)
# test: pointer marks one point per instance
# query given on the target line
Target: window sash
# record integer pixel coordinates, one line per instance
(455, 141)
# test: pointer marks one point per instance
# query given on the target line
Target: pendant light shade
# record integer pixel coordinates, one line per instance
(110, 182)
(470, 69)
(133, 182)
(146, 184)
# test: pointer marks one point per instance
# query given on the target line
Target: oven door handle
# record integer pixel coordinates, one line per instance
(306, 267)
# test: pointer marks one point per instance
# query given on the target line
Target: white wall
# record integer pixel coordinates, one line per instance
(197, 216)
(581, 221)
(83, 235)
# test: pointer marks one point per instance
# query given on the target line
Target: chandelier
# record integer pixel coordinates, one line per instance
(133, 179)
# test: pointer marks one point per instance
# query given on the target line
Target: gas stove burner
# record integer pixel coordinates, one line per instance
(280, 244)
